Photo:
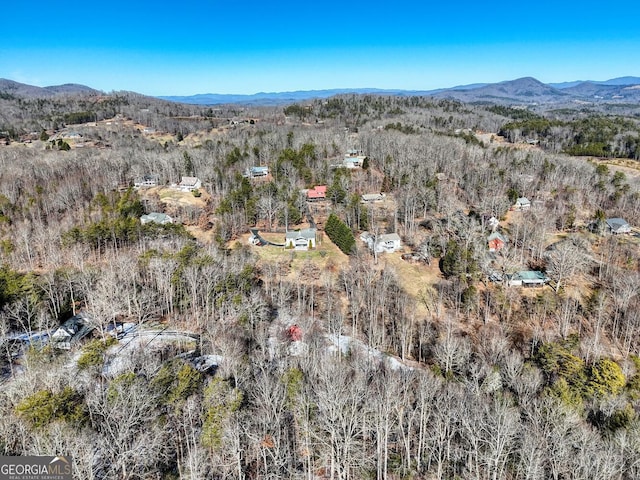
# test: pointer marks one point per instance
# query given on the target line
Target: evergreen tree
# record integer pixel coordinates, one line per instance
(340, 234)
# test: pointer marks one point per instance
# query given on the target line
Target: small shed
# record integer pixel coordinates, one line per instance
(372, 197)
(493, 223)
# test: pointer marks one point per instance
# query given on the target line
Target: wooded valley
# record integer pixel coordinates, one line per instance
(147, 332)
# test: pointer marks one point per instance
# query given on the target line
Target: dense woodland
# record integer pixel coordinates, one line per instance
(458, 377)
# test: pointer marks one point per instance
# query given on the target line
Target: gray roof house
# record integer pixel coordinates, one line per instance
(388, 242)
(304, 239)
(156, 217)
(189, 184)
(522, 203)
(72, 331)
(146, 181)
(617, 226)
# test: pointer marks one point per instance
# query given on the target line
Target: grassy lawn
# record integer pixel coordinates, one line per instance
(413, 277)
(177, 197)
(326, 257)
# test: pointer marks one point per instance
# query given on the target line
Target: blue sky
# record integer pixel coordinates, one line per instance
(213, 46)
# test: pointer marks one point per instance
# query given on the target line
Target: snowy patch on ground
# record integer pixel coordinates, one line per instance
(207, 363)
(344, 345)
(120, 356)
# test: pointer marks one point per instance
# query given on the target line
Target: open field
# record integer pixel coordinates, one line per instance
(326, 259)
(173, 196)
(414, 277)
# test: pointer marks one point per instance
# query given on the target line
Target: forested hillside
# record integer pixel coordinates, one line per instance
(192, 348)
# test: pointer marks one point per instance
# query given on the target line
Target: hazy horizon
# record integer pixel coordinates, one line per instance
(248, 48)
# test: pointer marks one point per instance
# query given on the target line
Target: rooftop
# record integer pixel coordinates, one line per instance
(307, 233)
(530, 275)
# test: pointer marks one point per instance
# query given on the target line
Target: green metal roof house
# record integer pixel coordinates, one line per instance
(527, 278)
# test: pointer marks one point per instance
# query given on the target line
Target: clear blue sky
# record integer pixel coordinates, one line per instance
(233, 46)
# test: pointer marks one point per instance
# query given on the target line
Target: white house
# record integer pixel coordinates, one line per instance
(388, 242)
(189, 184)
(617, 226)
(304, 239)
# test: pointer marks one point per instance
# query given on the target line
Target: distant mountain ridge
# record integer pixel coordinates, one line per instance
(526, 90)
(23, 90)
(281, 97)
(613, 81)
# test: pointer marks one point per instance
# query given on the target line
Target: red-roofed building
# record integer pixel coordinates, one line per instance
(496, 242)
(294, 333)
(319, 192)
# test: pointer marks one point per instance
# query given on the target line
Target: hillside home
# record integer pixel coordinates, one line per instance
(304, 239)
(155, 217)
(254, 172)
(319, 192)
(385, 243)
(522, 203)
(72, 331)
(495, 242)
(72, 135)
(617, 226)
(353, 160)
(527, 278)
(146, 181)
(189, 184)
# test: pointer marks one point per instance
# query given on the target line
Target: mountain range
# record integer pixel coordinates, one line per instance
(523, 91)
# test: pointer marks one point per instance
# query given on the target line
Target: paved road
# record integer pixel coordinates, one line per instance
(256, 234)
